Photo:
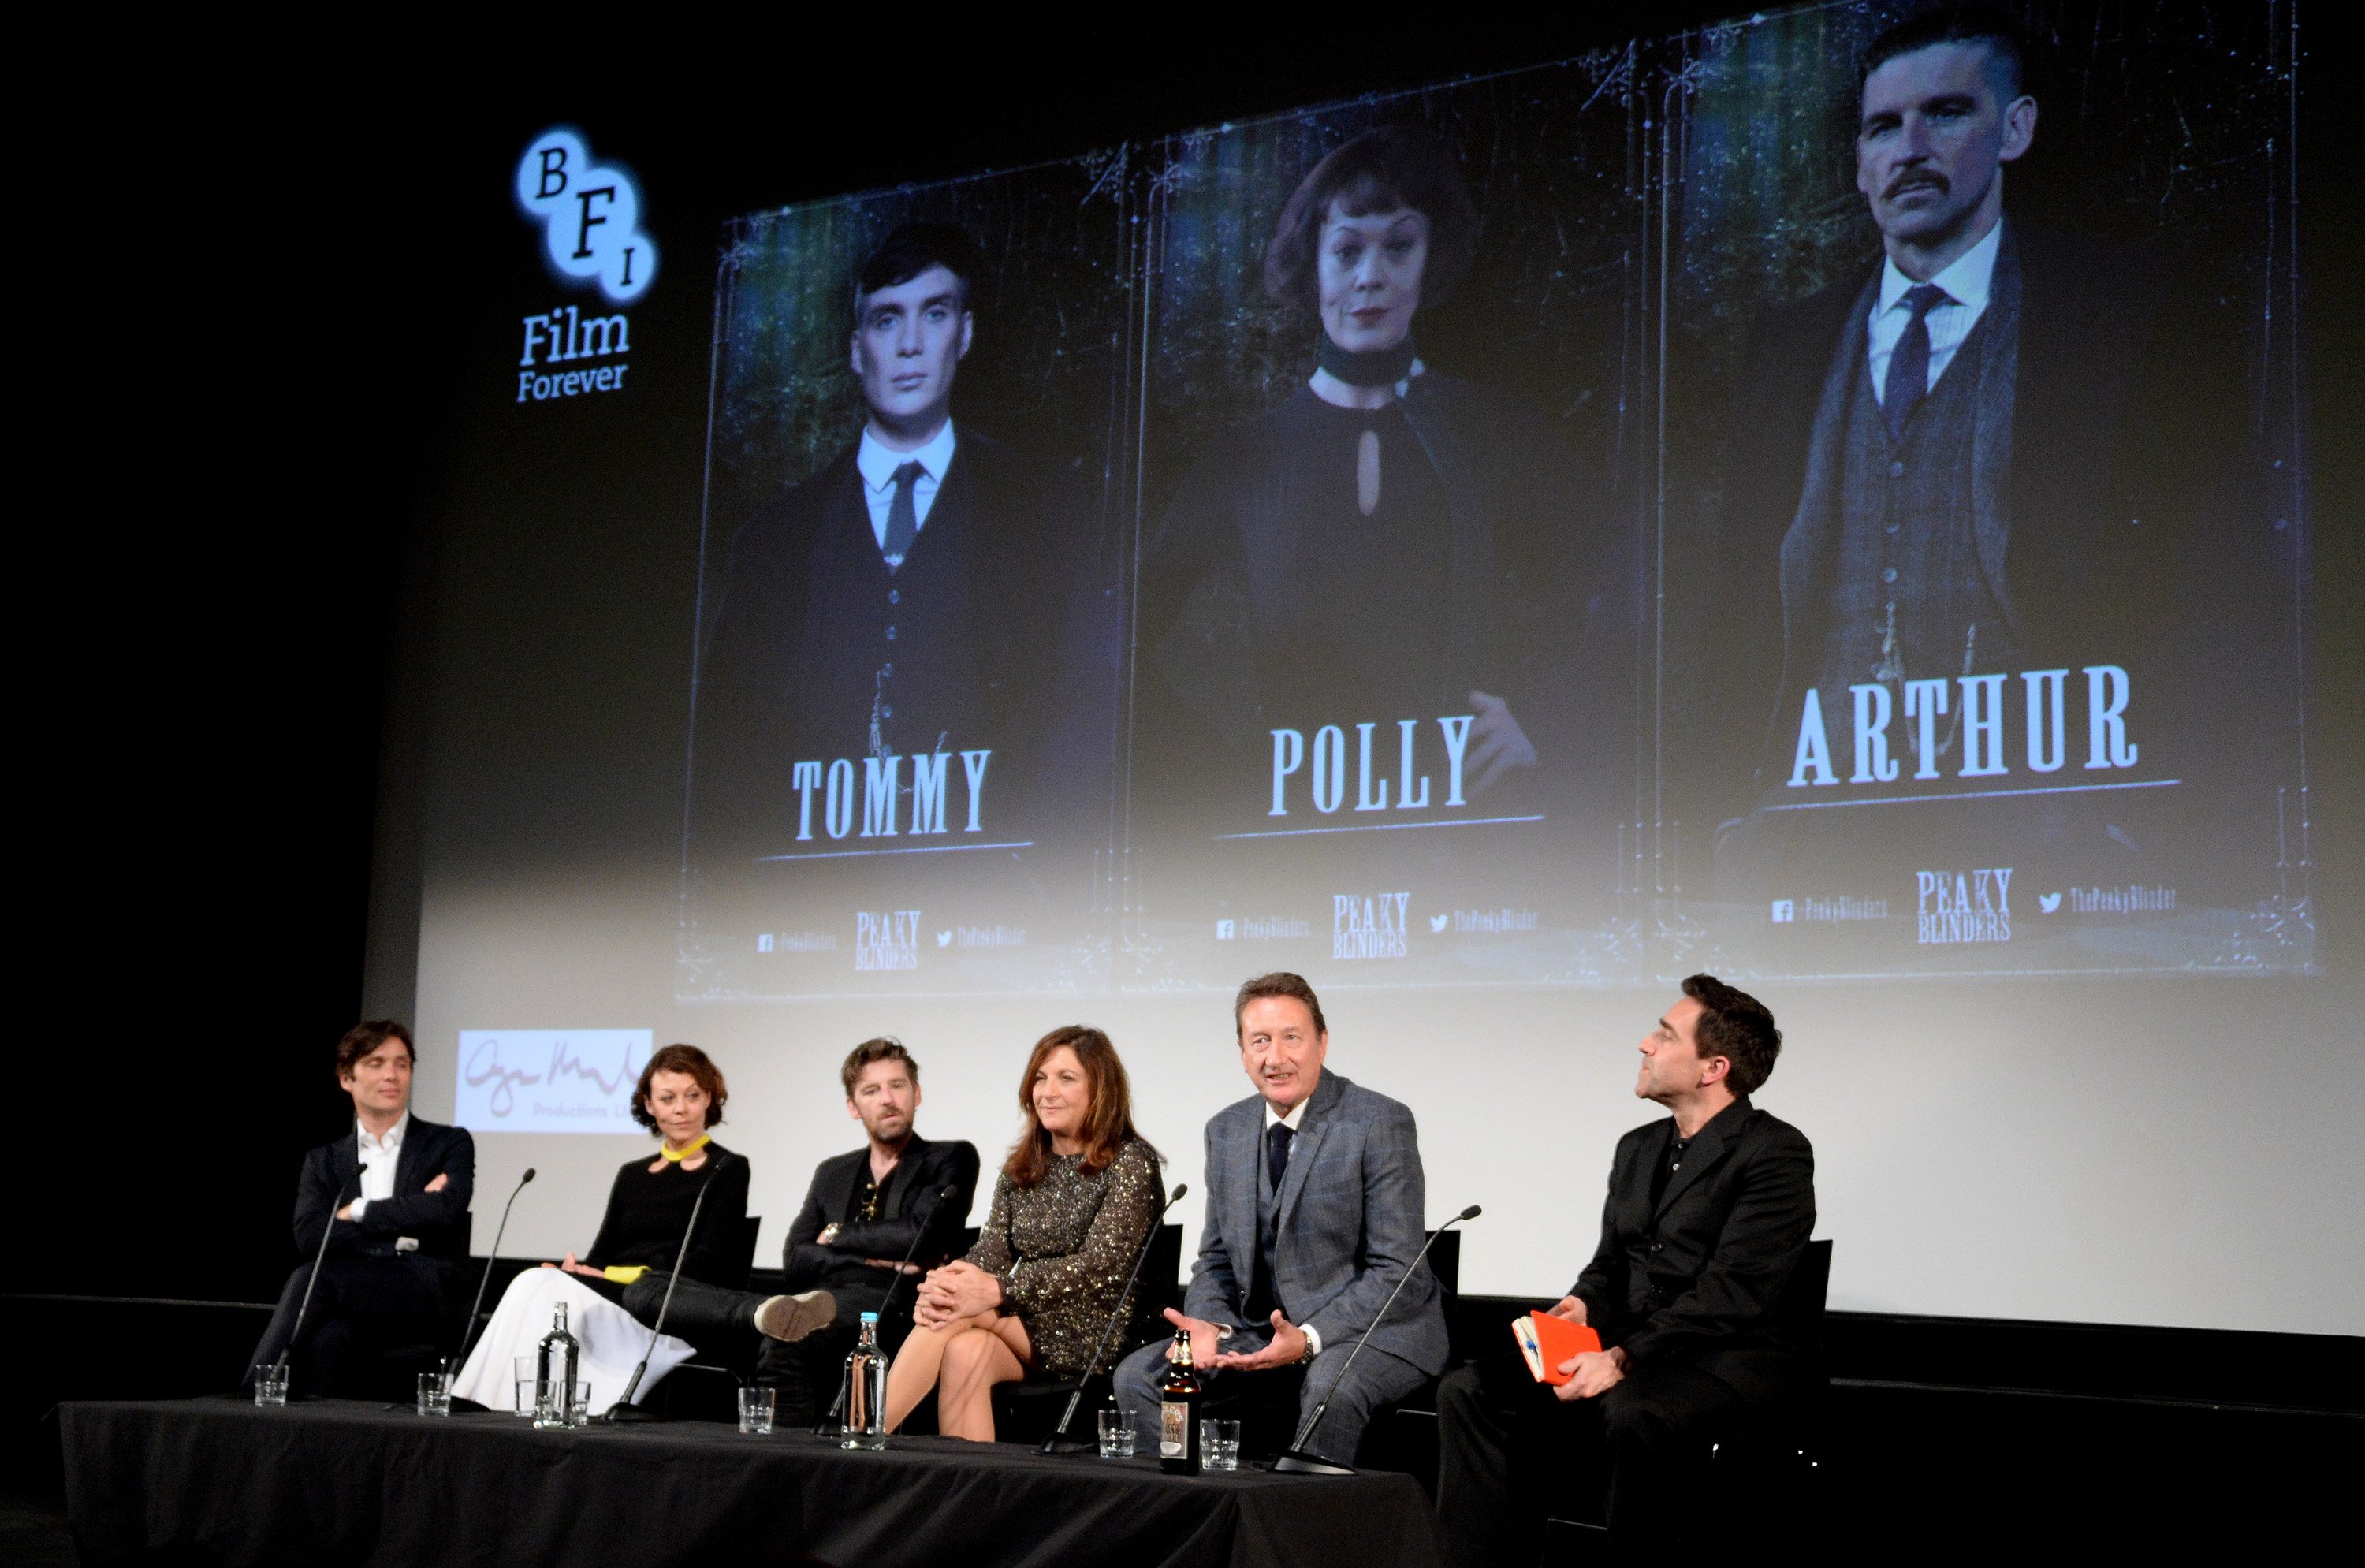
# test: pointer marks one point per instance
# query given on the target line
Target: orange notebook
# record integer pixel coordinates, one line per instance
(1547, 1341)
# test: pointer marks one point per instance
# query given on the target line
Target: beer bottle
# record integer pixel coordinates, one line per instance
(1178, 1411)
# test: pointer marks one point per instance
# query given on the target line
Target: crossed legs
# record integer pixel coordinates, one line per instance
(961, 1360)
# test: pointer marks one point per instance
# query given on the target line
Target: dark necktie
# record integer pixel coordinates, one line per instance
(1909, 366)
(903, 518)
(1277, 1156)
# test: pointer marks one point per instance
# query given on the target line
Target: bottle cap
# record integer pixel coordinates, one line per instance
(869, 1317)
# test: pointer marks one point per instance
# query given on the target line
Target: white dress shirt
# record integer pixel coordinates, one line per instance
(1966, 281)
(380, 1155)
(879, 462)
(1295, 1123)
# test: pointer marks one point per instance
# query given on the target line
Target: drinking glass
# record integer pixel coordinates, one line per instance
(1219, 1444)
(435, 1393)
(270, 1383)
(1117, 1434)
(578, 1413)
(524, 1378)
(756, 1411)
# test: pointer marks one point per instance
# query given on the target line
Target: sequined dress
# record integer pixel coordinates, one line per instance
(1062, 1249)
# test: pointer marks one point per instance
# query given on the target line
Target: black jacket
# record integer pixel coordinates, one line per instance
(904, 1209)
(1001, 632)
(1701, 1277)
(438, 1220)
(2131, 540)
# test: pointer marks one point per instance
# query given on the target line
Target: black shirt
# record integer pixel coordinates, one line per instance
(648, 1211)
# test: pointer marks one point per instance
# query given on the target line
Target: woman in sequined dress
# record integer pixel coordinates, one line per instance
(1073, 1203)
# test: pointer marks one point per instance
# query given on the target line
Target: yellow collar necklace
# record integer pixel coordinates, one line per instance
(677, 1155)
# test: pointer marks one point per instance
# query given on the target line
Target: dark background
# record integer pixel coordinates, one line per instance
(241, 313)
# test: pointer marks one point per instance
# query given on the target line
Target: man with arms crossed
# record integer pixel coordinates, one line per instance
(1709, 1214)
(398, 1228)
(1313, 1213)
(860, 1216)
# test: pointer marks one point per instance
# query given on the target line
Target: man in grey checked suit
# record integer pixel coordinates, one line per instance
(1313, 1213)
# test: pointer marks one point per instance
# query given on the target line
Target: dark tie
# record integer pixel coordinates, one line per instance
(1276, 1155)
(903, 518)
(1909, 367)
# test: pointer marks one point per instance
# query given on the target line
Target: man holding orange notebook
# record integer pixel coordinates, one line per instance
(1675, 1329)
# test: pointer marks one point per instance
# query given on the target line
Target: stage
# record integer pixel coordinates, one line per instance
(221, 1481)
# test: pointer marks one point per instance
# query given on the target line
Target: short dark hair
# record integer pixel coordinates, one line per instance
(368, 1035)
(1738, 1027)
(1380, 171)
(1281, 982)
(911, 248)
(686, 1060)
(886, 1047)
(1952, 23)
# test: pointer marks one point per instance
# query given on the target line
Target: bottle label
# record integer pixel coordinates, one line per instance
(1175, 1430)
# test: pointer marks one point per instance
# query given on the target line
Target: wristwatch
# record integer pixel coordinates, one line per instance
(828, 1234)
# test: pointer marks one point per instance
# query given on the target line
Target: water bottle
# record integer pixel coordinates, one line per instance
(554, 1375)
(865, 1396)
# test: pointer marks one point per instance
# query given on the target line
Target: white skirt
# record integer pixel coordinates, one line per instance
(611, 1341)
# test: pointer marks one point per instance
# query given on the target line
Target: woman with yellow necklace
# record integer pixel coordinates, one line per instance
(614, 1289)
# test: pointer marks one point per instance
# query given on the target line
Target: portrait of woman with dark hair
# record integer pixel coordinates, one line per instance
(1390, 547)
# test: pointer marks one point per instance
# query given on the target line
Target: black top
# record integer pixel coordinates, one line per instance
(1695, 1264)
(647, 1212)
(904, 1205)
(437, 1221)
(1489, 563)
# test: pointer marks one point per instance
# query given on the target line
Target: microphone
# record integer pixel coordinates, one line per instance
(722, 1159)
(1050, 1444)
(1295, 1459)
(327, 1230)
(941, 1196)
(468, 1330)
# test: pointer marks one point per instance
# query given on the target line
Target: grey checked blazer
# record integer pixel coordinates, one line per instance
(1351, 1220)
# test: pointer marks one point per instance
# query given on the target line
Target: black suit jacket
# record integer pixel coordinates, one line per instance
(438, 1220)
(904, 1209)
(1006, 635)
(2129, 540)
(1701, 1276)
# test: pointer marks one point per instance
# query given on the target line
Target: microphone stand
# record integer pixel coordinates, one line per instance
(624, 1409)
(1050, 1444)
(328, 1227)
(1295, 1459)
(468, 1327)
(828, 1423)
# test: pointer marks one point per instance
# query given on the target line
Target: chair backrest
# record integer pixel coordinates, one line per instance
(743, 1254)
(1445, 1260)
(1162, 1272)
(1803, 1303)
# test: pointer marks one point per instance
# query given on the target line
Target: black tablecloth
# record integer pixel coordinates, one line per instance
(218, 1480)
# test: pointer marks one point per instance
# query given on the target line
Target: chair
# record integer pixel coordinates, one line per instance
(1027, 1412)
(1400, 1437)
(1763, 1476)
(706, 1389)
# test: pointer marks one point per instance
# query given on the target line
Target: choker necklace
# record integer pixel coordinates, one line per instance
(677, 1157)
(1381, 367)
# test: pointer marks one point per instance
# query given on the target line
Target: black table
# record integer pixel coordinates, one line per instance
(220, 1480)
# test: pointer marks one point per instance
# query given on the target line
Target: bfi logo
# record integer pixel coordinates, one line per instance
(590, 215)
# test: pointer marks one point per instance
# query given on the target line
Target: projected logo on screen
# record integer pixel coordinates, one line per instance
(550, 1081)
(590, 216)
